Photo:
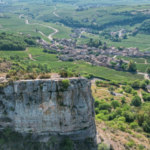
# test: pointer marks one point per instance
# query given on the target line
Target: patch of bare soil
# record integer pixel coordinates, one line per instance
(5, 67)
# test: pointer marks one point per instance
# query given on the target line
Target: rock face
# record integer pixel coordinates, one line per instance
(44, 107)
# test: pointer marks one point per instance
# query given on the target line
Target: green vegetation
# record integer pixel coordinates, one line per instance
(15, 42)
(138, 60)
(65, 83)
(66, 144)
(95, 43)
(145, 26)
(132, 66)
(103, 146)
(136, 101)
(132, 114)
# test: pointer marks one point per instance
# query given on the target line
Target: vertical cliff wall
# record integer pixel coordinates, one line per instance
(45, 107)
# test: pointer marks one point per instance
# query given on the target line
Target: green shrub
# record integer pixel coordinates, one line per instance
(136, 101)
(65, 83)
(103, 146)
(44, 76)
(63, 73)
(146, 81)
(134, 125)
(136, 84)
(129, 116)
(141, 147)
(118, 111)
(96, 111)
(134, 92)
(122, 127)
(123, 119)
(128, 89)
(105, 112)
(130, 143)
(105, 106)
(143, 85)
(115, 104)
(145, 126)
(123, 100)
(115, 83)
(97, 102)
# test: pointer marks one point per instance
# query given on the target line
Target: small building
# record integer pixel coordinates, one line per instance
(148, 88)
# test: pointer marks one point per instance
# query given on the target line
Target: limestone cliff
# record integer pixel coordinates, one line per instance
(45, 107)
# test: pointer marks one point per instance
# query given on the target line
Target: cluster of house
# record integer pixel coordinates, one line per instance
(70, 51)
(77, 32)
(120, 33)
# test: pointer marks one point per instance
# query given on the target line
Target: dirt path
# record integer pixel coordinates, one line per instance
(115, 56)
(26, 49)
(141, 97)
(145, 61)
(30, 56)
(50, 36)
(54, 13)
(2, 15)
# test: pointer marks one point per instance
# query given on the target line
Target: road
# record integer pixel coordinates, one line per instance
(54, 13)
(2, 15)
(115, 56)
(21, 15)
(81, 34)
(50, 36)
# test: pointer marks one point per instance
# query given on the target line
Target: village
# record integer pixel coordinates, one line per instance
(67, 50)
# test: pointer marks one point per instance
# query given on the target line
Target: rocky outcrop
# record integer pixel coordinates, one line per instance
(45, 107)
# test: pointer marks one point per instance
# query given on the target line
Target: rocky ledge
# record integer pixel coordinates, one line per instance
(45, 107)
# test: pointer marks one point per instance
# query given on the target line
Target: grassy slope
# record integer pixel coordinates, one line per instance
(12, 53)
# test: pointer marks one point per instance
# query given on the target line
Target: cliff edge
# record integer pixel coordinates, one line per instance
(49, 107)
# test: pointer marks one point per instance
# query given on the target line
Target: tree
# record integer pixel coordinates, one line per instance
(125, 36)
(66, 144)
(111, 89)
(123, 100)
(148, 70)
(132, 66)
(146, 81)
(136, 84)
(115, 104)
(136, 101)
(117, 35)
(128, 89)
(143, 85)
(91, 40)
(105, 106)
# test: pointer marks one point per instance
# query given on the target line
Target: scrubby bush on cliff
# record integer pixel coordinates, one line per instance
(134, 125)
(65, 83)
(31, 76)
(103, 146)
(44, 76)
(67, 73)
(66, 144)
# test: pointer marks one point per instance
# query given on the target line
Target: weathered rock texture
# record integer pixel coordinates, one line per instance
(44, 107)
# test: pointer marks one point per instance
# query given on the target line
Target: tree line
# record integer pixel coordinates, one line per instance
(15, 42)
